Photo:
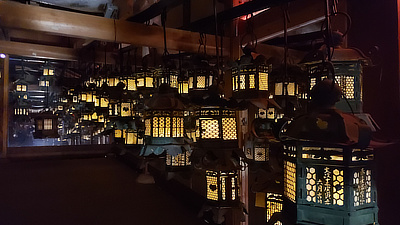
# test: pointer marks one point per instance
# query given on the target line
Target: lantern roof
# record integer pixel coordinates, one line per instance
(217, 159)
(330, 126)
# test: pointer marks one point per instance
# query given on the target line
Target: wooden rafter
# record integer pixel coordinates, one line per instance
(18, 16)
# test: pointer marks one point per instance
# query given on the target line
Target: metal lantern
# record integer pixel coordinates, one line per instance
(178, 161)
(250, 75)
(130, 83)
(132, 137)
(183, 86)
(222, 187)
(201, 76)
(274, 205)
(48, 70)
(46, 125)
(257, 149)
(164, 125)
(145, 79)
(167, 76)
(289, 82)
(328, 166)
(347, 65)
(216, 123)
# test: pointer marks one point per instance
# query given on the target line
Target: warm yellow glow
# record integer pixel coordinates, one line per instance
(223, 187)
(101, 118)
(85, 117)
(118, 133)
(289, 181)
(147, 124)
(261, 154)
(21, 87)
(48, 124)
(212, 185)
(209, 129)
(113, 81)
(252, 82)
(242, 82)
(201, 82)
(44, 83)
(274, 205)
(126, 109)
(45, 72)
(190, 82)
(149, 82)
(131, 85)
(39, 124)
(140, 82)
(94, 116)
(271, 113)
(89, 97)
(233, 184)
(173, 81)
(83, 97)
(51, 72)
(362, 187)
(313, 82)
(103, 102)
(291, 89)
(130, 138)
(60, 107)
(234, 82)
(278, 88)
(229, 128)
(184, 87)
(96, 101)
(263, 81)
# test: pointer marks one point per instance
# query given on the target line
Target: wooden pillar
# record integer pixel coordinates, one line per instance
(4, 66)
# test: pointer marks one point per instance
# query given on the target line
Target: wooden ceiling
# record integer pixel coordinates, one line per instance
(35, 31)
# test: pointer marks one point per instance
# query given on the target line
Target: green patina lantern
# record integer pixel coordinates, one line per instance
(328, 165)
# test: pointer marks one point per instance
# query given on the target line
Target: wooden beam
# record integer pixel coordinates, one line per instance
(40, 38)
(28, 17)
(301, 12)
(38, 51)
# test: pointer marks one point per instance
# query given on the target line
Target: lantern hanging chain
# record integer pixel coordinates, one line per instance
(249, 32)
(115, 31)
(163, 21)
(216, 39)
(286, 19)
(203, 43)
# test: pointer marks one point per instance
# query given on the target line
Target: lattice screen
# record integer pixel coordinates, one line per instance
(290, 180)
(212, 185)
(263, 81)
(210, 129)
(274, 205)
(325, 186)
(362, 187)
(201, 82)
(229, 128)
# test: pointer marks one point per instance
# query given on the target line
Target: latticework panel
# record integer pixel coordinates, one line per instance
(212, 185)
(252, 82)
(346, 83)
(274, 205)
(289, 180)
(261, 153)
(263, 81)
(223, 187)
(209, 129)
(362, 187)
(242, 82)
(229, 128)
(126, 109)
(147, 125)
(325, 187)
(178, 160)
(190, 82)
(131, 85)
(201, 82)
(48, 124)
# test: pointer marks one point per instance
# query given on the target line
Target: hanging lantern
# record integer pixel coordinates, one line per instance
(183, 86)
(290, 84)
(250, 75)
(144, 79)
(44, 81)
(347, 65)
(178, 161)
(164, 127)
(46, 125)
(130, 83)
(222, 187)
(168, 76)
(132, 137)
(201, 75)
(328, 166)
(257, 149)
(48, 70)
(274, 204)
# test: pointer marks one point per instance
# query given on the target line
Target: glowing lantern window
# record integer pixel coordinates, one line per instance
(21, 87)
(274, 205)
(21, 112)
(48, 71)
(177, 161)
(118, 133)
(145, 79)
(104, 102)
(46, 125)
(222, 187)
(217, 123)
(290, 82)
(167, 76)
(44, 83)
(200, 78)
(132, 137)
(183, 87)
(164, 123)
(250, 77)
